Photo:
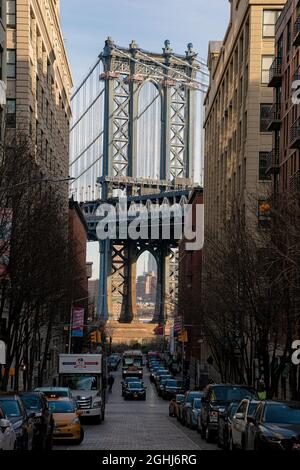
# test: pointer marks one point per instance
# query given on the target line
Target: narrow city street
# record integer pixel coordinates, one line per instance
(138, 425)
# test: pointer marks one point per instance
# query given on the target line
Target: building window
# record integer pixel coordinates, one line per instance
(266, 62)
(11, 13)
(30, 121)
(269, 21)
(11, 113)
(11, 63)
(264, 117)
(263, 166)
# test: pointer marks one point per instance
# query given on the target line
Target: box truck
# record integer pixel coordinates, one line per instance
(85, 375)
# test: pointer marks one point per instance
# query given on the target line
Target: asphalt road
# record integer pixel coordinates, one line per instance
(138, 425)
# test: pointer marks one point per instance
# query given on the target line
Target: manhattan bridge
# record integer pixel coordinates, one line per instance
(137, 132)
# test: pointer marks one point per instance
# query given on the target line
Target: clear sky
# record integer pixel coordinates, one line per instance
(86, 24)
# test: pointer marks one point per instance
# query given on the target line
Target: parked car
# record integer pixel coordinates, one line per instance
(160, 382)
(215, 401)
(274, 426)
(54, 393)
(224, 425)
(37, 406)
(174, 404)
(172, 388)
(239, 423)
(189, 398)
(112, 363)
(159, 373)
(67, 425)
(135, 390)
(8, 440)
(192, 413)
(154, 370)
(128, 380)
(22, 423)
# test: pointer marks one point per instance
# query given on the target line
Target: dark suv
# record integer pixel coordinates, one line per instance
(15, 412)
(36, 405)
(216, 399)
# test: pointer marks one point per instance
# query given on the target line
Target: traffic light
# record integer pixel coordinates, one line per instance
(183, 337)
(95, 337)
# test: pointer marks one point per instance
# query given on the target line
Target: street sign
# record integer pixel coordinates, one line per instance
(2, 353)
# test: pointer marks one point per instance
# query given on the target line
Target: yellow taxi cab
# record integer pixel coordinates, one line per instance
(66, 421)
(175, 405)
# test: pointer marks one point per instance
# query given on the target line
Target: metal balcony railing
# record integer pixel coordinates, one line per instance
(295, 135)
(273, 163)
(296, 75)
(294, 182)
(296, 37)
(275, 74)
(274, 118)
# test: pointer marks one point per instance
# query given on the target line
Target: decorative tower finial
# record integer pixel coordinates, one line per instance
(167, 50)
(133, 45)
(190, 53)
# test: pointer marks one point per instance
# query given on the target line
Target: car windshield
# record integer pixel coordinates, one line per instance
(229, 394)
(11, 408)
(62, 407)
(173, 384)
(252, 408)
(197, 404)
(282, 414)
(81, 382)
(32, 402)
(134, 386)
(193, 395)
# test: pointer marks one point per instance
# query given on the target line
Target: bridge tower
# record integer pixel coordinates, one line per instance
(125, 71)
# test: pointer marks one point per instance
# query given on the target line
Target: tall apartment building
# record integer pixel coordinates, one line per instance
(237, 139)
(2, 66)
(284, 118)
(39, 81)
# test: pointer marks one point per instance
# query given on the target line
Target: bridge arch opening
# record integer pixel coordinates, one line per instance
(149, 131)
(146, 287)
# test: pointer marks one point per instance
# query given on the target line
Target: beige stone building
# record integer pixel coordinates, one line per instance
(2, 66)
(237, 138)
(39, 81)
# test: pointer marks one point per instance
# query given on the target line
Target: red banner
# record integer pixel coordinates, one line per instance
(78, 322)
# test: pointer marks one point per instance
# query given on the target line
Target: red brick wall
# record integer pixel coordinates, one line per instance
(189, 294)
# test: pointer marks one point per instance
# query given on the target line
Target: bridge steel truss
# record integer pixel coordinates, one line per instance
(124, 73)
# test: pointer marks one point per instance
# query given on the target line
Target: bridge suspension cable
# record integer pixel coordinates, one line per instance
(88, 168)
(87, 109)
(198, 69)
(181, 82)
(182, 74)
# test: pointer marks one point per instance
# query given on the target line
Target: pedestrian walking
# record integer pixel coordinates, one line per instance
(110, 381)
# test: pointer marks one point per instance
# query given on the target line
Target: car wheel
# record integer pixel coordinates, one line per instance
(81, 437)
(98, 419)
(170, 413)
(203, 431)
(49, 443)
(231, 444)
